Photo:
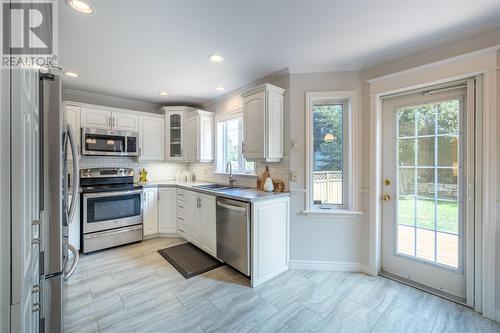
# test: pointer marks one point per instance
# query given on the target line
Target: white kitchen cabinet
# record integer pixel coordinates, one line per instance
(151, 138)
(74, 227)
(174, 134)
(189, 134)
(150, 211)
(263, 123)
(72, 117)
(167, 210)
(270, 237)
(207, 222)
(108, 119)
(196, 216)
(192, 218)
(95, 118)
(124, 121)
(200, 136)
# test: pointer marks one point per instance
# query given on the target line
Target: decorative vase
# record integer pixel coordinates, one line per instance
(268, 185)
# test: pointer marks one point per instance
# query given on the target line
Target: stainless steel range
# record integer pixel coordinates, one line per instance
(111, 208)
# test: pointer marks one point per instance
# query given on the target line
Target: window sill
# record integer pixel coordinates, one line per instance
(235, 174)
(331, 212)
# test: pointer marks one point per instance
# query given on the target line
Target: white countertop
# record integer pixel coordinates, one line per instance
(248, 194)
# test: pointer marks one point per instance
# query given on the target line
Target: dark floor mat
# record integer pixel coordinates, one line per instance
(189, 260)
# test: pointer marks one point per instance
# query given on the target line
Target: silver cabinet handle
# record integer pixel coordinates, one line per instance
(35, 241)
(181, 230)
(35, 289)
(36, 307)
(76, 259)
(181, 218)
(180, 206)
(76, 179)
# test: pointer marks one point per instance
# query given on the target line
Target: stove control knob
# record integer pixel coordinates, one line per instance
(129, 172)
(90, 173)
(121, 172)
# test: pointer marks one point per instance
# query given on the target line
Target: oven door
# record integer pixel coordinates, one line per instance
(110, 210)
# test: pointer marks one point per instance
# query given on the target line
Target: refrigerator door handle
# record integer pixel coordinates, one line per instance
(76, 259)
(76, 179)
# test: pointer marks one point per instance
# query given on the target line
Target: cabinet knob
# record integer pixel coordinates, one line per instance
(386, 197)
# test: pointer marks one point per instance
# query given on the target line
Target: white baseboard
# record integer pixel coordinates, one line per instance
(328, 266)
(497, 315)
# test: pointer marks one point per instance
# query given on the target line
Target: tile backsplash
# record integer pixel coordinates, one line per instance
(203, 172)
(156, 170)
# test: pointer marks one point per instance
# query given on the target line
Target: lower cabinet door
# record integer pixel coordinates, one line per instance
(150, 211)
(167, 210)
(207, 220)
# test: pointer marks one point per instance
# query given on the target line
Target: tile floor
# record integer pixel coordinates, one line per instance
(133, 289)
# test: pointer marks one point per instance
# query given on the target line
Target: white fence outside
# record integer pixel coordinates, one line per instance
(327, 187)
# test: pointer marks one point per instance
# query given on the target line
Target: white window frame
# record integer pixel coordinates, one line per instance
(221, 146)
(349, 100)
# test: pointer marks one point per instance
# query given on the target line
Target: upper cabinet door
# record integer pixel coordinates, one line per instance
(254, 122)
(263, 123)
(151, 138)
(122, 121)
(206, 138)
(192, 139)
(95, 118)
(174, 138)
(72, 117)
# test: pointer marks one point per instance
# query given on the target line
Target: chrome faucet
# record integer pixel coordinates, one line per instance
(229, 169)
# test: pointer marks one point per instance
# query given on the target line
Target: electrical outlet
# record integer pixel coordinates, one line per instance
(293, 176)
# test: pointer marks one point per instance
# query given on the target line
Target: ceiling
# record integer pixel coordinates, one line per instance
(134, 49)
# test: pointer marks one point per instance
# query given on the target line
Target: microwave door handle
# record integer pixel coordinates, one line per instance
(76, 181)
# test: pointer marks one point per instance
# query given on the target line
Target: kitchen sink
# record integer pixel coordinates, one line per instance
(219, 187)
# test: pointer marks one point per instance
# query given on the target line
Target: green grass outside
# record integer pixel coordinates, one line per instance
(447, 214)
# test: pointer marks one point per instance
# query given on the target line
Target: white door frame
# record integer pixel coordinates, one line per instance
(477, 63)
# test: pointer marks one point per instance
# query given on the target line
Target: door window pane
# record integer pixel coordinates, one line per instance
(328, 159)
(406, 240)
(406, 210)
(447, 249)
(426, 119)
(425, 244)
(448, 151)
(426, 149)
(428, 210)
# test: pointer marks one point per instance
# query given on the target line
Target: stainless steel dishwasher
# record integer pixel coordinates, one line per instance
(233, 234)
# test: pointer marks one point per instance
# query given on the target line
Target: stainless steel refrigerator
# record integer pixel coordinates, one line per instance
(56, 143)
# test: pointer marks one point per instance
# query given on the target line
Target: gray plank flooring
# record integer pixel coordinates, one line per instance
(133, 289)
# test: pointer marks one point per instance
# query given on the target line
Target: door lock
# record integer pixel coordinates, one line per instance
(386, 197)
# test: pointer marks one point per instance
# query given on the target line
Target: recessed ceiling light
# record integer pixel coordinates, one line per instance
(80, 6)
(220, 88)
(71, 74)
(216, 58)
(163, 93)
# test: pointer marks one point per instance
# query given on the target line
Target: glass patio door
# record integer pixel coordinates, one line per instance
(423, 224)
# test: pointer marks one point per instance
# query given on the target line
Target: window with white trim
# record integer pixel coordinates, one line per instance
(229, 146)
(329, 150)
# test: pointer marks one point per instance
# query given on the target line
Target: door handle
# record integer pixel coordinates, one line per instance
(76, 180)
(76, 259)
(386, 197)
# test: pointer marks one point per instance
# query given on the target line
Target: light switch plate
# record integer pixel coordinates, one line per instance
(293, 176)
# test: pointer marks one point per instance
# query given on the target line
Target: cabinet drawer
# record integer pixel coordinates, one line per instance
(182, 195)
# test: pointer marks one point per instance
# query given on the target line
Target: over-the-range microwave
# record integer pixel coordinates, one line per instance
(99, 142)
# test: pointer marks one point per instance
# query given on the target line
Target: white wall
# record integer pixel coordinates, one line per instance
(110, 101)
(327, 239)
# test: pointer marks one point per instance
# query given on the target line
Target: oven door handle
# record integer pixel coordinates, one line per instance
(110, 194)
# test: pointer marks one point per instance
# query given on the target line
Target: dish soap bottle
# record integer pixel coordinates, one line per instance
(143, 176)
